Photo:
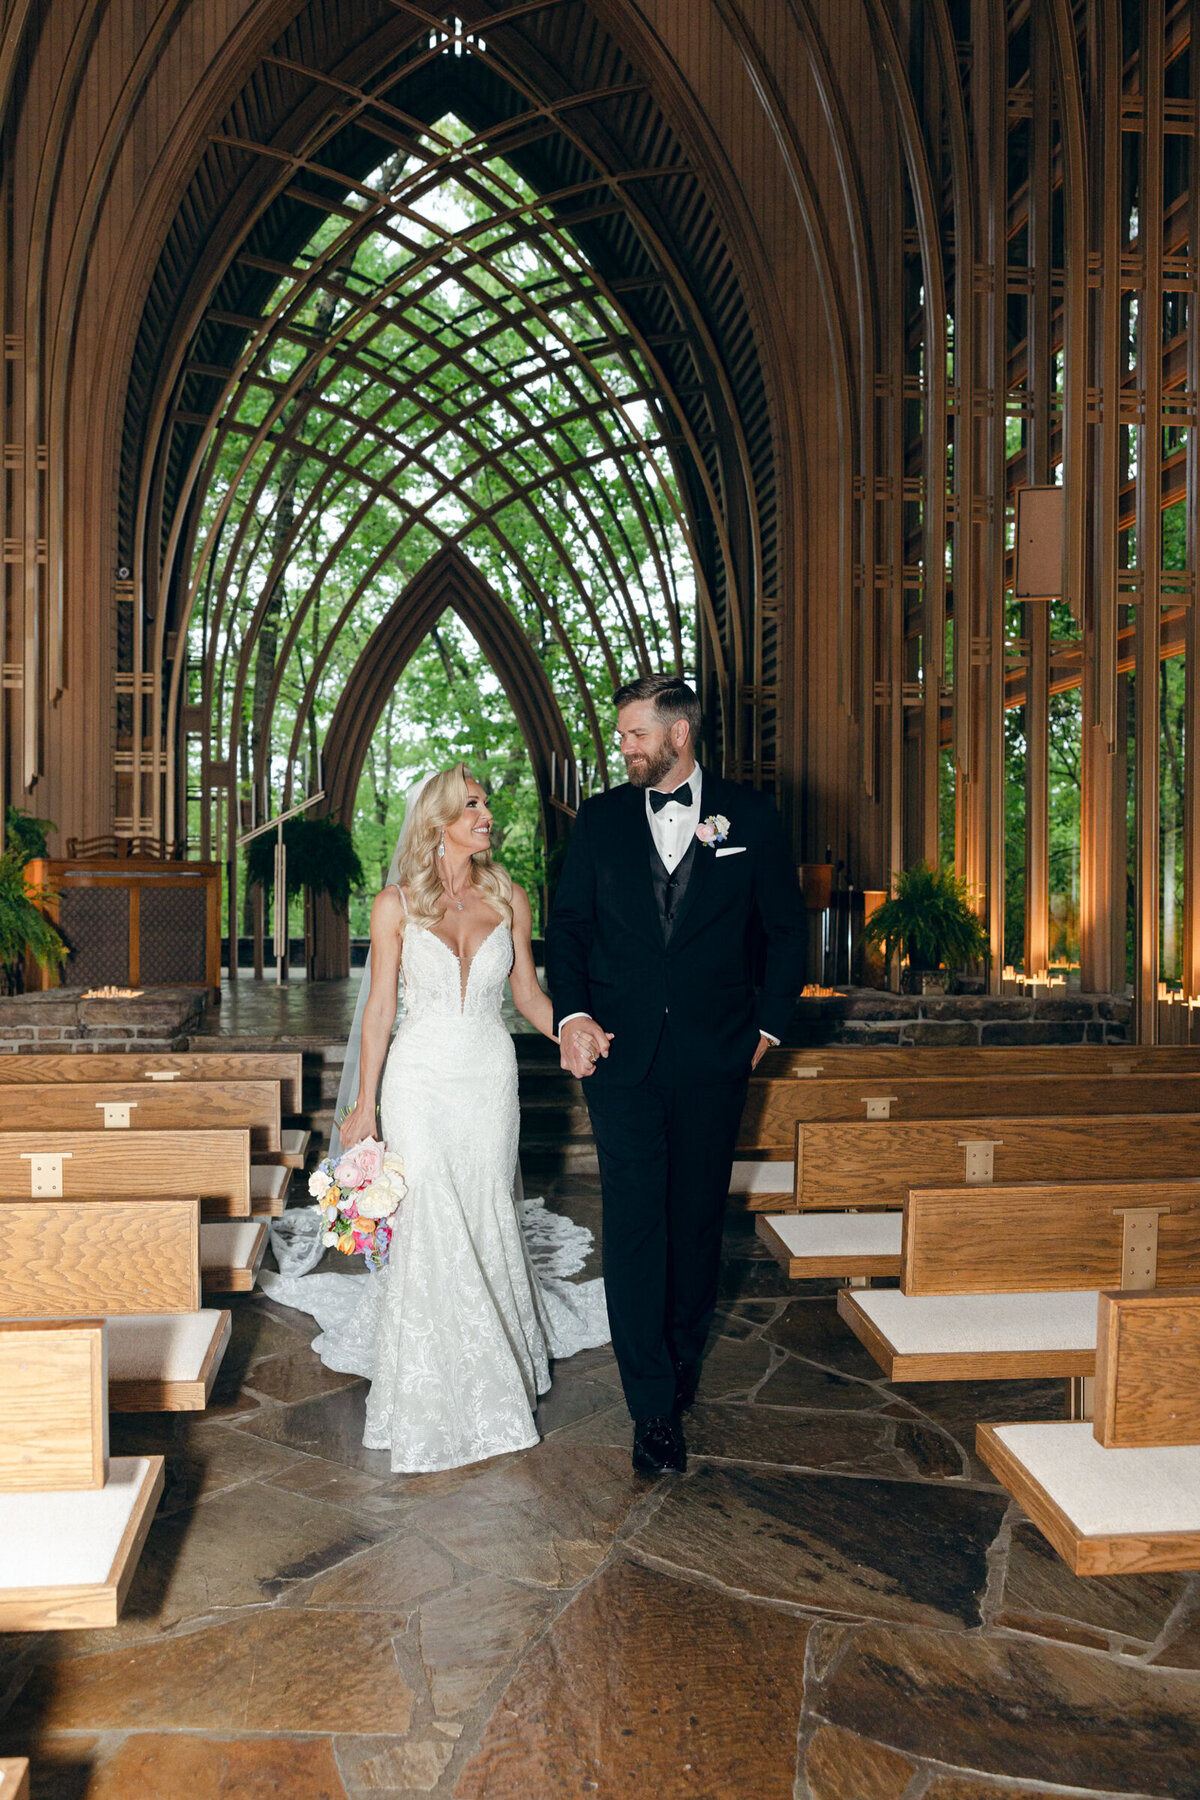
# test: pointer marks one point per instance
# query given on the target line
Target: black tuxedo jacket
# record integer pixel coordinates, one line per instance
(607, 953)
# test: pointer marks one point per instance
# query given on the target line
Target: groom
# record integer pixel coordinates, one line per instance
(665, 885)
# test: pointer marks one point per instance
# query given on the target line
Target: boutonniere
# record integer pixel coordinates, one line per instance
(713, 830)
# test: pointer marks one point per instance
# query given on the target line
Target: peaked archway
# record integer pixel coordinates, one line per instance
(448, 581)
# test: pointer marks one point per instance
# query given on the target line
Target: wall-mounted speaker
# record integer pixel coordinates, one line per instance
(1038, 573)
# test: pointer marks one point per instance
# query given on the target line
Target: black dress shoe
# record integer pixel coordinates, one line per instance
(658, 1446)
(687, 1380)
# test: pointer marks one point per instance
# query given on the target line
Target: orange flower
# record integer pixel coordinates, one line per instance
(346, 1243)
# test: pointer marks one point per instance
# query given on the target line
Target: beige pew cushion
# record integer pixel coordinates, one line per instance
(68, 1539)
(1109, 1493)
(968, 1324)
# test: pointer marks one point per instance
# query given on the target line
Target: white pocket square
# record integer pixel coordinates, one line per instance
(733, 850)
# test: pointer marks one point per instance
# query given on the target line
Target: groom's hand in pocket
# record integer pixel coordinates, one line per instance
(581, 1043)
(764, 1044)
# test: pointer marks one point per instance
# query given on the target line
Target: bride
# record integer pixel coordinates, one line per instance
(458, 1329)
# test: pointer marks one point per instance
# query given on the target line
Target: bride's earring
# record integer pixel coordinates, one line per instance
(442, 845)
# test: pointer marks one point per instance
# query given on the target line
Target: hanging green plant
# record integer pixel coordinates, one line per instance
(24, 930)
(931, 917)
(26, 833)
(320, 856)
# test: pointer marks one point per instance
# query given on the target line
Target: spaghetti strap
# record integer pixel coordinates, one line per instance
(402, 894)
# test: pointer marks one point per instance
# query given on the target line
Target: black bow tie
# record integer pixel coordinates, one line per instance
(682, 797)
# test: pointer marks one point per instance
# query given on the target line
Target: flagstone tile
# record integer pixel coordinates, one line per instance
(931, 1453)
(242, 1548)
(548, 1517)
(880, 1549)
(376, 1767)
(213, 1460)
(328, 1425)
(1181, 1649)
(842, 1441)
(732, 1368)
(612, 1427)
(965, 1787)
(388, 1579)
(1037, 1581)
(798, 1383)
(594, 1365)
(813, 1329)
(1018, 1710)
(321, 1480)
(570, 1399)
(840, 1765)
(472, 1633)
(165, 1766)
(751, 1277)
(285, 1670)
(647, 1685)
(297, 1377)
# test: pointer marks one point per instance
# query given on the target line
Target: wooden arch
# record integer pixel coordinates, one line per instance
(447, 580)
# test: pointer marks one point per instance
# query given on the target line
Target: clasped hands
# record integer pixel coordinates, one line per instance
(581, 1043)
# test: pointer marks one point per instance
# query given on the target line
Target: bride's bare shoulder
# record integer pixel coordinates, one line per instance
(388, 909)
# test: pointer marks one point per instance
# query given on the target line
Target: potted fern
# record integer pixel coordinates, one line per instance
(929, 917)
(24, 929)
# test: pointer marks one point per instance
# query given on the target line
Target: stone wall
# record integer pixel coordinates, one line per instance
(61, 1020)
(866, 1017)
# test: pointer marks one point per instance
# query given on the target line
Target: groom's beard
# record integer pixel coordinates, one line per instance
(645, 770)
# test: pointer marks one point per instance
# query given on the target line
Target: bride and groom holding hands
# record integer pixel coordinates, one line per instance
(670, 886)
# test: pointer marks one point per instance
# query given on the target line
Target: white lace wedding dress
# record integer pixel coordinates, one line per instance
(458, 1330)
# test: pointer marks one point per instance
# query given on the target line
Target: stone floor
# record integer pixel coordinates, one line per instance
(298, 1012)
(835, 1602)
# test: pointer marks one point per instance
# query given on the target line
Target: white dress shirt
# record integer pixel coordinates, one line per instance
(673, 827)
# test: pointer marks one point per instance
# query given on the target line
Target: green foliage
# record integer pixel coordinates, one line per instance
(27, 834)
(557, 487)
(320, 856)
(23, 929)
(931, 915)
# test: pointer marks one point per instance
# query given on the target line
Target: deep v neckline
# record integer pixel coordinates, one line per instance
(464, 976)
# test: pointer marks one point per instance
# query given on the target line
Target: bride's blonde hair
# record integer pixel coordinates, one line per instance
(440, 802)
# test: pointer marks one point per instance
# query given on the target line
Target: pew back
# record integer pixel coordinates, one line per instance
(1148, 1369)
(876, 1164)
(111, 1257)
(53, 1406)
(283, 1066)
(1049, 1237)
(213, 1166)
(852, 1061)
(774, 1108)
(146, 1106)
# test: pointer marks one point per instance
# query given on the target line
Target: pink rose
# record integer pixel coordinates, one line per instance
(360, 1165)
(706, 832)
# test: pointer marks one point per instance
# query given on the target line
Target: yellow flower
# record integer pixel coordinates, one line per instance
(346, 1243)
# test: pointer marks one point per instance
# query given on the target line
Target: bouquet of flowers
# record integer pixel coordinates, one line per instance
(358, 1196)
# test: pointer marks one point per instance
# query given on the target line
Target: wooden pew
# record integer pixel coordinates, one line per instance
(283, 1066)
(147, 1106)
(269, 1184)
(999, 1283)
(775, 1108)
(852, 1061)
(53, 1406)
(1121, 1494)
(213, 1166)
(231, 1253)
(136, 1263)
(875, 1165)
(72, 1521)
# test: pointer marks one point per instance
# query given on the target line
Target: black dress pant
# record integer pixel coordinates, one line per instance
(666, 1151)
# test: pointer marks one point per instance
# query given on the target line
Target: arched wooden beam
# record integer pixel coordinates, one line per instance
(448, 580)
